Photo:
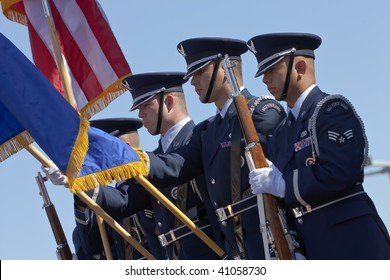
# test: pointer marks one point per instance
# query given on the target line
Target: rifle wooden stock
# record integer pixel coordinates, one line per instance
(271, 202)
(59, 235)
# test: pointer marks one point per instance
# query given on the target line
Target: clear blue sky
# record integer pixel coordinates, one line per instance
(353, 60)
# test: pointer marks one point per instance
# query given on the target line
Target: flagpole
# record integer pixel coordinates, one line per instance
(96, 208)
(58, 55)
(179, 214)
(70, 98)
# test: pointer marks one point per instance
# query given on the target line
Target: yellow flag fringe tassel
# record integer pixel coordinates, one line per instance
(102, 178)
(118, 173)
(12, 14)
(104, 99)
(79, 151)
(15, 144)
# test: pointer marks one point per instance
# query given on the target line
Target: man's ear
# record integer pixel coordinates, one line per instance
(300, 67)
(169, 101)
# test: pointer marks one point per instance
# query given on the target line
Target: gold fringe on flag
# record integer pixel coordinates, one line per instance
(106, 177)
(15, 144)
(11, 13)
(104, 99)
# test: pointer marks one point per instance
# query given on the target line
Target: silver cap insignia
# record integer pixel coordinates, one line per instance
(181, 50)
(251, 47)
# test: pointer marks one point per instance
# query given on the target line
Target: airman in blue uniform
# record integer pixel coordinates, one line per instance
(159, 97)
(209, 151)
(128, 203)
(317, 156)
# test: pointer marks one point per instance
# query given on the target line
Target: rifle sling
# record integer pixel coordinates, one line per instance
(181, 203)
(235, 182)
(235, 162)
(235, 171)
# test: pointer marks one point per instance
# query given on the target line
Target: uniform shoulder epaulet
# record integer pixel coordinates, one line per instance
(325, 106)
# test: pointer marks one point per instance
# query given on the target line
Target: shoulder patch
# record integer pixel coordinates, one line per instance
(326, 106)
(266, 105)
(270, 105)
(335, 104)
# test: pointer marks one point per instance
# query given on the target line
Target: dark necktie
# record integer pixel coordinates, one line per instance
(218, 120)
(290, 122)
(160, 148)
(216, 125)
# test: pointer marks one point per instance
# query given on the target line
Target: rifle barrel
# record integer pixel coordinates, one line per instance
(59, 235)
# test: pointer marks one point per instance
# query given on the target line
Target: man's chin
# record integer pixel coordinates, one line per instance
(277, 96)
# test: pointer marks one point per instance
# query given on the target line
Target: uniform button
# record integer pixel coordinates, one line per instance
(213, 181)
(215, 204)
(159, 224)
(158, 202)
(300, 221)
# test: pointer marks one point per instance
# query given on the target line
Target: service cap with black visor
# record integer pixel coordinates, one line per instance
(271, 48)
(143, 87)
(125, 129)
(200, 52)
(117, 126)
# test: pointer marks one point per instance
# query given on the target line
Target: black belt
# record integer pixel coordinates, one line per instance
(180, 232)
(224, 213)
(301, 211)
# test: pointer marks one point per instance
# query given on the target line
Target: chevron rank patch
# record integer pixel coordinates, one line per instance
(340, 137)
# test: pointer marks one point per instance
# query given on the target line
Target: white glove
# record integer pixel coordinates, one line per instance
(267, 180)
(54, 175)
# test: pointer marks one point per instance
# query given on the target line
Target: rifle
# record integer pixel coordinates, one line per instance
(62, 245)
(273, 229)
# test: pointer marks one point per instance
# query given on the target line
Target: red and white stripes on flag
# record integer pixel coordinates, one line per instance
(94, 60)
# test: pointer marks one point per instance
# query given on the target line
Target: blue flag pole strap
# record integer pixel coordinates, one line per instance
(15, 144)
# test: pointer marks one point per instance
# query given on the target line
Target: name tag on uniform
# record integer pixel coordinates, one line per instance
(302, 144)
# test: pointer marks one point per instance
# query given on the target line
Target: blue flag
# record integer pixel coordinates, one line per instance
(13, 136)
(88, 156)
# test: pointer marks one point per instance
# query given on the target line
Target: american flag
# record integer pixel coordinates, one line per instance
(94, 61)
